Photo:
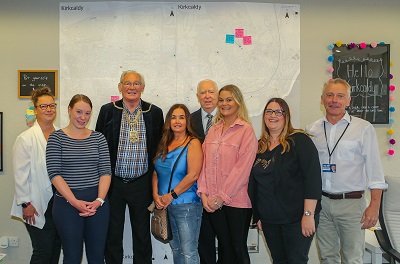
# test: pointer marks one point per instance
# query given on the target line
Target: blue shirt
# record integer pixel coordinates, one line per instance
(164, 168)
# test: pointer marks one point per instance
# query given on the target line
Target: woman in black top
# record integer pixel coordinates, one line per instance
(285, 186)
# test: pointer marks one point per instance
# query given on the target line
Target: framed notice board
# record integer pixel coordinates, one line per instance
(29, 80)
(367, 72)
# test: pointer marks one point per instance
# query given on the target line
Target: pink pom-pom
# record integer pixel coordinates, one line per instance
(374, 44)
(391, 98)
(330, 69)
(363, 45)
(391, 152)
(392, 87)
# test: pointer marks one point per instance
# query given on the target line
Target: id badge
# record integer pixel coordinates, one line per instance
(329, 168)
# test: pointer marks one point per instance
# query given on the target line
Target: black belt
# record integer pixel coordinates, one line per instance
(348, 195)
(128, 180)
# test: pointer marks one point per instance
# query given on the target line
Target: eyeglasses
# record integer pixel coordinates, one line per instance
(277, 112)
(134, 84)
(45, 106)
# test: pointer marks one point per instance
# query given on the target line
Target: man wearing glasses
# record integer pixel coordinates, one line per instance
(133, 130)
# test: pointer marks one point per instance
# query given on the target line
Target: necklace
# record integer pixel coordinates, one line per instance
(273, 140)
(133, 122)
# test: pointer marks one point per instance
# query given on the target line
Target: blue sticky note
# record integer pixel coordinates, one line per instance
(230, 39)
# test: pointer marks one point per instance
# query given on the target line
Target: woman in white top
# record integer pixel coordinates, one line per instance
(33, 190)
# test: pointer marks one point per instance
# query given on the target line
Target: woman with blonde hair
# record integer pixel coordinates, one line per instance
(285, 186)
(229, 151)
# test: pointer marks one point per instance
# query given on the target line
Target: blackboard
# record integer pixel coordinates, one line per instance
(29, 80)
(367, 72)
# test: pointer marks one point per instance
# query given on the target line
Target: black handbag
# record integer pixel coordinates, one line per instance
(160, 226)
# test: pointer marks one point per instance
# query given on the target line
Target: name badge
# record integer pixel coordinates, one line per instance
(329, 168)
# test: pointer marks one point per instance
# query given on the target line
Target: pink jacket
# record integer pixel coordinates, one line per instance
(228, 159)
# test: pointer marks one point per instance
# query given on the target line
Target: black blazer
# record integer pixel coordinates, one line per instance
(197, 124)
(109, 123)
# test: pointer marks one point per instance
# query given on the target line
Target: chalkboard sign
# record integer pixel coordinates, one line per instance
(367, 72)
(29, 80)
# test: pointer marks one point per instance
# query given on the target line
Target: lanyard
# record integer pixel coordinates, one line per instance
(326, 140)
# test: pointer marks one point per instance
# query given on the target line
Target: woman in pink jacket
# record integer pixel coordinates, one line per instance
(229, 151)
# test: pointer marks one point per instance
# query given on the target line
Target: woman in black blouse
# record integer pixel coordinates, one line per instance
(285, 186)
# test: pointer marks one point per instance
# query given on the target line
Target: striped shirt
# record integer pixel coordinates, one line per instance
(80, 162)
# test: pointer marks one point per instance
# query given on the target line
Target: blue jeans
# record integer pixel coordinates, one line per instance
(185, 224)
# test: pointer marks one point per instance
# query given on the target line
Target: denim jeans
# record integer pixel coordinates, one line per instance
(185, 224)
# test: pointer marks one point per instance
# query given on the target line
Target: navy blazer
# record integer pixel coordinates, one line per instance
(109, 123)
(197, 125)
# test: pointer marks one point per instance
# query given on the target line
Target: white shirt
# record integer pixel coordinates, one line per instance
(357, 159)
(204, 117)
(32, 183)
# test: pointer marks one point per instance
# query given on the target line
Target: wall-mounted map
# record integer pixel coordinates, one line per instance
(255, 46)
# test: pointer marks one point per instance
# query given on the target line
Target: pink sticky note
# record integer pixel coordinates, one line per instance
(247, 40)
(239, 32)
(114, 98)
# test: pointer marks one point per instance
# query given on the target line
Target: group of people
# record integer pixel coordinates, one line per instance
(207, 168)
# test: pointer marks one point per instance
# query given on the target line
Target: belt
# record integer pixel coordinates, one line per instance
(348, 195)
(127, 180)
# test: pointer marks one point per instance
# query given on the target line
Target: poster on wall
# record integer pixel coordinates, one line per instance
(367, 72)
(255, 46)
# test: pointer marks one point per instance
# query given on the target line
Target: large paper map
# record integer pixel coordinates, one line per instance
(255, 46)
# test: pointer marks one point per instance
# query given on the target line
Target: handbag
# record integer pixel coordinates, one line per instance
(159, 225)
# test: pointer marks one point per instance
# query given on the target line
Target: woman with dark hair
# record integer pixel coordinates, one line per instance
(78, 164)
(33, 192)
(184, 206)
(285, 186)
(229, 151)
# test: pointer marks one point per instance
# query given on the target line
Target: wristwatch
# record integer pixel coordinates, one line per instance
(100, 200)
(308, 213)
(174, 195)
(24, 205)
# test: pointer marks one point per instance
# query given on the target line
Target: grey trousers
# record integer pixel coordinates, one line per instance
(340, 238)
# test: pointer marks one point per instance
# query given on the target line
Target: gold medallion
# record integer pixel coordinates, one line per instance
(133, 136)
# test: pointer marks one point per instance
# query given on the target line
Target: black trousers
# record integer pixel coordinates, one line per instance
(232, 228)
(286, 242)
(207, 235)
(46, 243)
(137, 196)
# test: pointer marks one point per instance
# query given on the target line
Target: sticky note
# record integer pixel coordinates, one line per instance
(114, 98)
(230, 39)
(239, 32)
(247, 40)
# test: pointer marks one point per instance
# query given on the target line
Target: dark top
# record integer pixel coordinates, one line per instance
(109, 123)
(80, 162)
(279, 183)
(197, 125)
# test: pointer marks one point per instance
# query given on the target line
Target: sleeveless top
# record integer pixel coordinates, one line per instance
(163, 169)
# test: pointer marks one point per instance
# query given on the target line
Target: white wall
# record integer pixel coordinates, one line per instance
(29, 40)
